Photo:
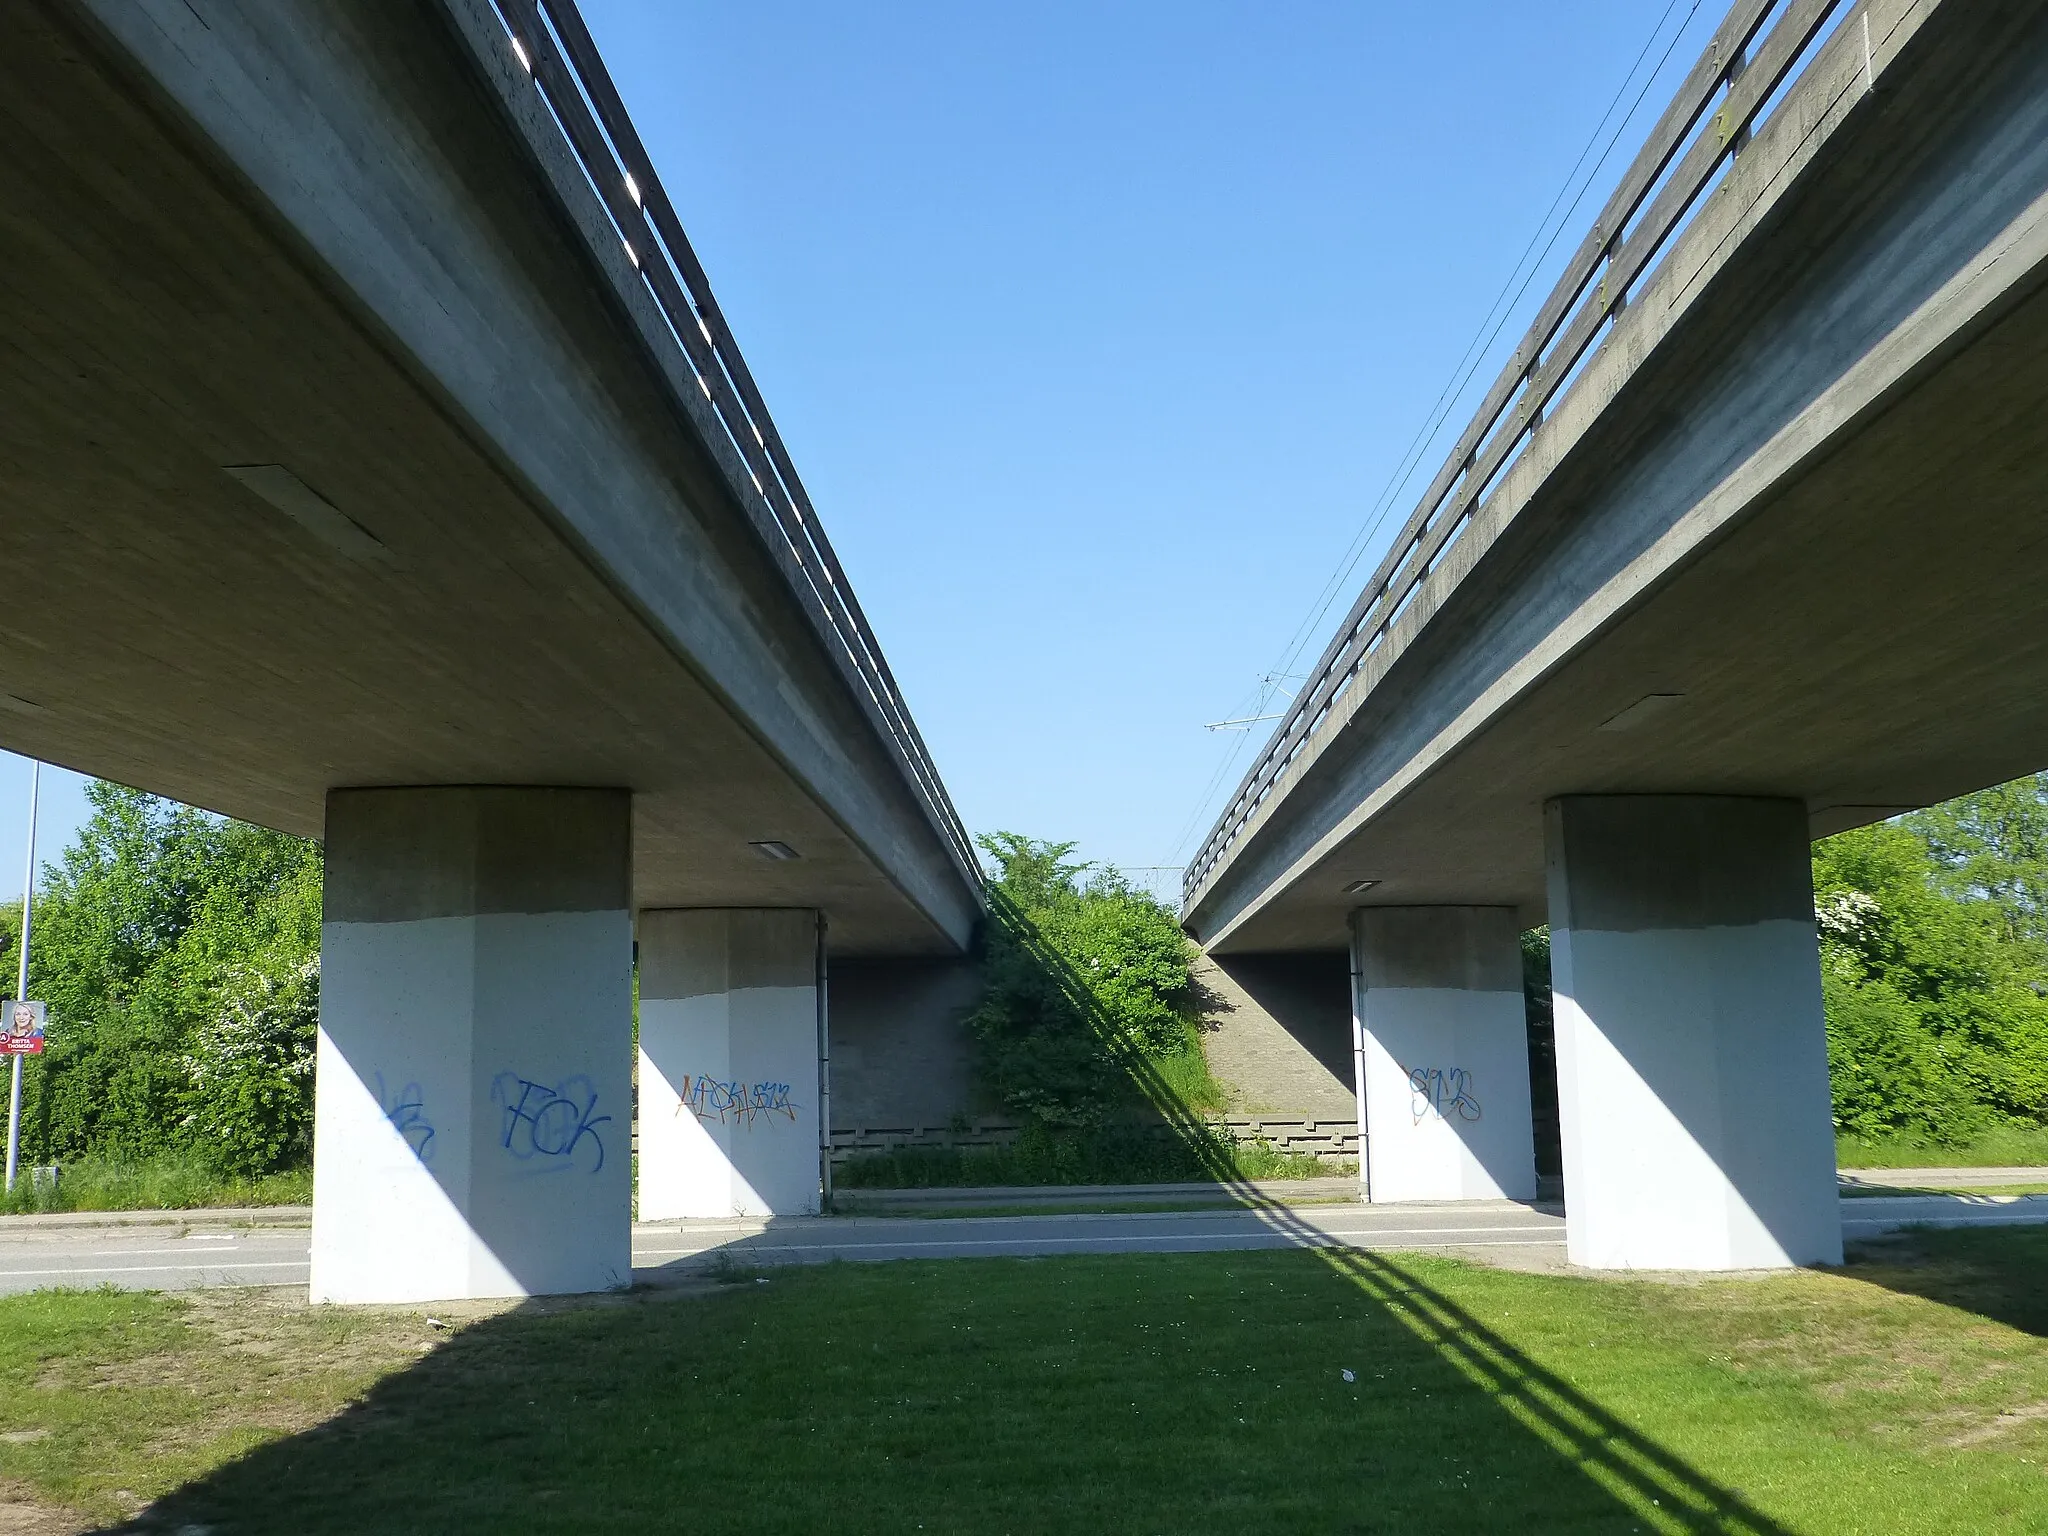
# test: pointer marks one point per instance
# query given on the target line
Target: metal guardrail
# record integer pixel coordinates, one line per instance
(1753, 52)
(554, 47)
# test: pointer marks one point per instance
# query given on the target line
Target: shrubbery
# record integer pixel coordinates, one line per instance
(179, 954)
(1089, 1013)
(1934, 966)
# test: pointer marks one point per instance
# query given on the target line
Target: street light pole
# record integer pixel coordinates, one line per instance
(28, 891)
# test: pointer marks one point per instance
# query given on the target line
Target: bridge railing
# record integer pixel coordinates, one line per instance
(552, 44)
(1755, 52)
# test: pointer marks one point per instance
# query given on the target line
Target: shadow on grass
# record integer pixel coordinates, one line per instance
(1204, 1151)
(1995, 1272)
(1135, 1392)
(1183, 1392)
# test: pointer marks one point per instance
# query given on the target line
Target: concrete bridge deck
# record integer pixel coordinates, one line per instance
(378, 466)
(1777, 535)
(1744, 547)
(344, 443)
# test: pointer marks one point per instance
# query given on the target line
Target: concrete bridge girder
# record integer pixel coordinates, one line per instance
(1772, 568)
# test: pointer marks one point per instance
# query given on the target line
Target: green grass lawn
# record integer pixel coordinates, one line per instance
(160, 1185)
(2009, 1146)
(1143, 1393)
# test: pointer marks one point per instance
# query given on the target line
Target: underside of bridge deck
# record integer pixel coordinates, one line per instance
(480, 544)
(1802, 555)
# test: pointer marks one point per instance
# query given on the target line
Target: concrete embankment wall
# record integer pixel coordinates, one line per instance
(1276, 1028)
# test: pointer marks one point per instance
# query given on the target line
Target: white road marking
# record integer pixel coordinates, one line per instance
(235, 1258)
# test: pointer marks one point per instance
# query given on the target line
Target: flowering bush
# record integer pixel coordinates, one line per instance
(250, 1071)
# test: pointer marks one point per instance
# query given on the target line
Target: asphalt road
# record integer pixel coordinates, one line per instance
(209, 1252)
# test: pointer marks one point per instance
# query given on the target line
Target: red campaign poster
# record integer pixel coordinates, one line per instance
(24, 1027)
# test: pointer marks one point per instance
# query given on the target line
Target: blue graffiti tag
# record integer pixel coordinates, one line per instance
(711, 1098)
(1443, 1092)
(408, 1117)
(549, 1122)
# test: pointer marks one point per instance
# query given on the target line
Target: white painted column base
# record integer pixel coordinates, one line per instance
(1445, 1054)
(1691, 1050)
(728, 1063)
(470, 1110)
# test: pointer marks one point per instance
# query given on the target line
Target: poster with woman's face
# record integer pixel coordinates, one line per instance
(24, 1031)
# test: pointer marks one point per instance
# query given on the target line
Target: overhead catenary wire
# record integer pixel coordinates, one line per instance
(1516, 286)
(1746, 68)
(1496, 317)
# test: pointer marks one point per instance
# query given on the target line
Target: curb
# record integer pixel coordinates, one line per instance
(211, 1216)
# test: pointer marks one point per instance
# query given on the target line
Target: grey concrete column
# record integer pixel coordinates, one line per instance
(1443, 1054)
(471, 1116)
(1692, 1065)
(729, 1083)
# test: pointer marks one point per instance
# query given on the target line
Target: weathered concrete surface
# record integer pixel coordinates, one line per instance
(1692, 1063)
(901, 1052)
(341, 236)
(1445, 1054)
(472, 1097)
(729, 1063)
(1799, 486)
(1277, 1032)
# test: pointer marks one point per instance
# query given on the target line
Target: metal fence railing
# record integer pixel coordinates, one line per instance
(551, 43)
(1753, 54)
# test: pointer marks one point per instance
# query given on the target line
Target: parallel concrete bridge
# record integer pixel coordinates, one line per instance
(1745, 546)
(378, 466)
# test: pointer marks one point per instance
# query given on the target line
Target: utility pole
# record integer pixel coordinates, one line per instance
(28, 891)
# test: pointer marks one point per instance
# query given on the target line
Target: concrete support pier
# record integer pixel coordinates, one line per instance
(1691, 1055)
(471, 1111)
(729, 1063)
(1443, 1058)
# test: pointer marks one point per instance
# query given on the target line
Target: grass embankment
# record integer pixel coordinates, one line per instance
(2012, 1146)
(1136, 1393)
(1100, 1158)
(166, 1185)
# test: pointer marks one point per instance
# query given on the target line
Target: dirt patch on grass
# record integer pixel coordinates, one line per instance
(2004, 1424)
(22, 1514)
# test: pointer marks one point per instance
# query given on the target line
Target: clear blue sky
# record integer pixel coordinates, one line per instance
(1098, 329)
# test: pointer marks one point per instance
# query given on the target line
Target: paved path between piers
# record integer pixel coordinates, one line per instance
(208, 1249)
(686, 1248)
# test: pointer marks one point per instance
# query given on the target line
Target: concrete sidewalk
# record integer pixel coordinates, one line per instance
(854, 1202)
(179, 1249)
(1939, 1178)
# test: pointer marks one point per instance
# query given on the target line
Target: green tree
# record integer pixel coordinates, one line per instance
(1993, 847)
(154, 931)
(1081, 968)
(1932, 969)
